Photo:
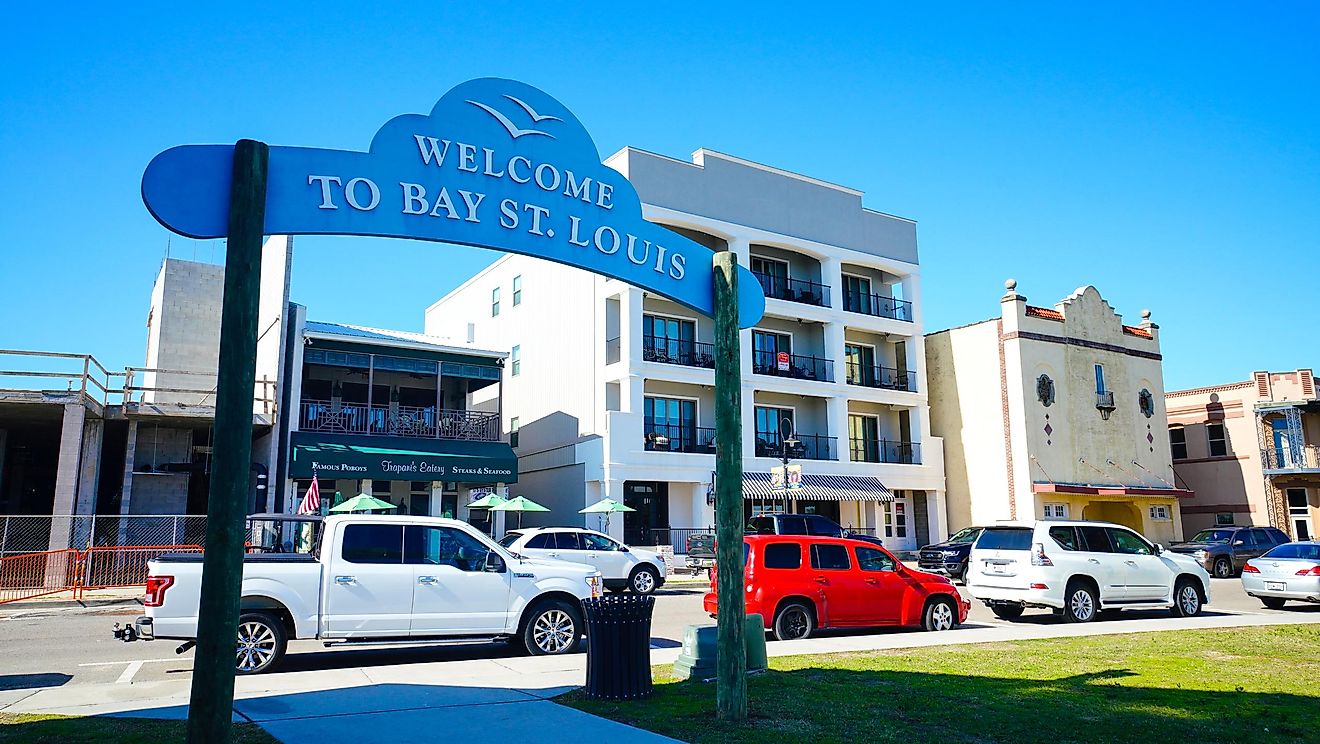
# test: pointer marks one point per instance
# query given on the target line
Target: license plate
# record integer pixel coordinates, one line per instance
(997, 568)
(1275, 586)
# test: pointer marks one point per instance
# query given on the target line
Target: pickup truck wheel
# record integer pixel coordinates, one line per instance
(643, 580)
(261, 643)
(553, 628)
(1223, 568)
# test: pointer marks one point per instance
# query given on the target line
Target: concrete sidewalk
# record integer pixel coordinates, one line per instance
(503, 698)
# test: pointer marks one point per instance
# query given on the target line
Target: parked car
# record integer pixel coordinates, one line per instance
(380, 579)
(1289, 571)
(803, 524)
(1080, 569)
(1223, 551)
(799, 584)
(620, 566)
(701, 552)
(949, 558)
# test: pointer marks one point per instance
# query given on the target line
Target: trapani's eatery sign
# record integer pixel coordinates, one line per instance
(496, 164)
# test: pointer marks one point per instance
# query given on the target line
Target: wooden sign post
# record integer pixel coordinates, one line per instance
(731, 664)
(210, 709)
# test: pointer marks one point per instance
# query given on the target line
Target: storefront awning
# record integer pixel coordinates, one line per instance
(402, 458)
(816, 487)
(1111, 490)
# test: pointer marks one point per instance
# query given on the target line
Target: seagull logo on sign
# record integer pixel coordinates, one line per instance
(514, 130)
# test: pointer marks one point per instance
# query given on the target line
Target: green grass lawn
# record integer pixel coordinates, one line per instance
(1258, 684)
(21, 727)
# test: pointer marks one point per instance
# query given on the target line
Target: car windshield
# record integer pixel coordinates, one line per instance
(1213, 536)
(967, 535)
(509, 539)
(1005, 538)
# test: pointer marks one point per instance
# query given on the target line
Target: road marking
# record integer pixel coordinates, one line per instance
(127, 677)
(130, 661)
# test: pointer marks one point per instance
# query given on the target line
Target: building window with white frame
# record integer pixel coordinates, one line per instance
(1056, 511)
(1160, 512)
(517, 290)
(495, 302)
(1178, 442)
(1218, 440)
(515, 360)
(895, 518)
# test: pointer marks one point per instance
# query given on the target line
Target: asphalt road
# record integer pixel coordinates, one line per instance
(48, 647)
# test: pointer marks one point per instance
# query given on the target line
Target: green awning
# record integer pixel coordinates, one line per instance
(401, 458)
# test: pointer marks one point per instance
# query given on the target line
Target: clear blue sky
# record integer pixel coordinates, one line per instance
(1168, 155)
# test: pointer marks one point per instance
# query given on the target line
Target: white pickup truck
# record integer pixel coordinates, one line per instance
(381, 579)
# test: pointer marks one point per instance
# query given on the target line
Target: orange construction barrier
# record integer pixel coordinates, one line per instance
(39, 574)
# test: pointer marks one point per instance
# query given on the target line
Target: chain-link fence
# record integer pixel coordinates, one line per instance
(24, 534)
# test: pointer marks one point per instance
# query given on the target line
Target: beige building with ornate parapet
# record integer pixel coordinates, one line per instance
(1054, 413)
(1251, 452)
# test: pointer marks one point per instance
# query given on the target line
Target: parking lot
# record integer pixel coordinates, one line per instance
(57, 646)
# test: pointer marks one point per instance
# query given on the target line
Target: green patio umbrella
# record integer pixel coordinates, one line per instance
(606, 507)
(363, 502)
(488, 501)
(519, 504)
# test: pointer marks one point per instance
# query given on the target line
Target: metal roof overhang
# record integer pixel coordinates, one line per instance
(817, 487)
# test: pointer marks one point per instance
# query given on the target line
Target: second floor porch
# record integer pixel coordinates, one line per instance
(426, 422)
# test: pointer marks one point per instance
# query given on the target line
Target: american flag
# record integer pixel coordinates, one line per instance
(311, 503)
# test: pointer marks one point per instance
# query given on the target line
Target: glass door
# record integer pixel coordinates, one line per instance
(668, 339)
(860, 361)
(857, 294)
(674, 419)
(1299, 514)
(771, 426)
(765, 351)
(864, 438)
(772, 274)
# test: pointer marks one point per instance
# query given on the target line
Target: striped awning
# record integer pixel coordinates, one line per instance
(816, 487)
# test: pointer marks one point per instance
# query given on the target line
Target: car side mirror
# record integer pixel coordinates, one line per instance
(1239, 542)
(1159, 549)
(494, 562)
(624, 549)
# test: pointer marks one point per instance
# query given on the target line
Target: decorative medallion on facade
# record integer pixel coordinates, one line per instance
(1045, 390)
(1146, 402)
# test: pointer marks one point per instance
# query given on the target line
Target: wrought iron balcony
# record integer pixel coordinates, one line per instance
(808, 447)
(794, 290)
(881, 306)
(888, 378)
(679, 438)
(398, 421)
(1277, 460)
(792, 365)
(673, 351)
(885, 451)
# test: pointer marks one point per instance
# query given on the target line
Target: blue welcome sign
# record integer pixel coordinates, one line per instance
(497, 164)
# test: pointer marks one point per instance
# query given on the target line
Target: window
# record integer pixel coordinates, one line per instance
(766, 347)
(1218, 440)
(783, 555)
(1276, 535)
(857, 294)
(443, 546)
(669, 340)
(1295, 550)
(1094, 539)
(822, 527)
(567, 541)
(792, 525)
(516, 357)
(513, 431)
(863, 438)
(1056, 511)
(495, 302)
(517, 290)
(1004, 538)
(829, 558)
(672, 418)
(1128, 543)
(373, 543)
(509, 539)
(543, 541)
(1224, 519)
(772, 426)
(860, 366)
(1066, 537)
(895, 518)
(772, 274)
(1099, 378)
(871, 559)
(1178, 442)
(597, 542)
(1159, 512)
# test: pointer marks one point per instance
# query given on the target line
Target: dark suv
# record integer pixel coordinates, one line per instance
(802, 524)
(949, 557)
(1223, 551)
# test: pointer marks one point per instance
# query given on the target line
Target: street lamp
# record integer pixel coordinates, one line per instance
(789, 442)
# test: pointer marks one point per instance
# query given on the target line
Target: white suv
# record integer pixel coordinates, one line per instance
(1081, 569)
(621, 567)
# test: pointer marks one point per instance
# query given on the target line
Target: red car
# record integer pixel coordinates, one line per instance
(798, 584)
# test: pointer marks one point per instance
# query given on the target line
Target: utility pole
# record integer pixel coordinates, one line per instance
(211, 704)
(731, 664)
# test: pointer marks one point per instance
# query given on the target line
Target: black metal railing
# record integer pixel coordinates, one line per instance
(679, 438)
(880, 377)
(674, 351)
(676, 537)
(880, 306)
(792, 365)
(398, 421)
(809, 446)
(794, 290)
(885, 450)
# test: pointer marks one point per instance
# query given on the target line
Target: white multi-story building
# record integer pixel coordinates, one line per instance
(609, 389)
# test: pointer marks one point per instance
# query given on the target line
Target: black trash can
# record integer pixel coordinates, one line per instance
(619, 646)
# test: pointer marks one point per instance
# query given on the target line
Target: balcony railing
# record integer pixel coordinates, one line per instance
(1308, 458)
(888, 378)
(398, 421)
(809, 446)
(880, 306)
(792, 365)
(679, 438)
(886, 451)
(673, 351)
(794, 290)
